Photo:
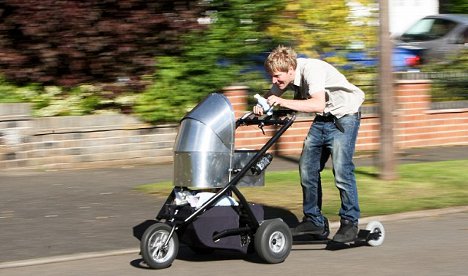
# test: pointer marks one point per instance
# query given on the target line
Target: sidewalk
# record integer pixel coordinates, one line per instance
(44, 214)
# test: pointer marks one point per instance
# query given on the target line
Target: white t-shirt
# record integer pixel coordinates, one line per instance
(314, 75)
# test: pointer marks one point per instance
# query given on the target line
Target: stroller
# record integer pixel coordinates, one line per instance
(201, 210)
(206, 210)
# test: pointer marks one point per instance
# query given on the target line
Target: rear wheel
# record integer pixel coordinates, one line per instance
(273, 241)
(154, 252)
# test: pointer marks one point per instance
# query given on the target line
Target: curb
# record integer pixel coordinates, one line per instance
(90, 255)
(68, 258)
(409, 215)
(417, 214)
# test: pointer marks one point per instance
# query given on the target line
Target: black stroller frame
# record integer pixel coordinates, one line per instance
(177, 219)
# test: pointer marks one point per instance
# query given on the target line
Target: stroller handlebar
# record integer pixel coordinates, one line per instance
(279, 117)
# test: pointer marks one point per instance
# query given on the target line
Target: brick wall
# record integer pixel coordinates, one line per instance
(419, 126)
(108, 140)
(416, 125)
(79, 141)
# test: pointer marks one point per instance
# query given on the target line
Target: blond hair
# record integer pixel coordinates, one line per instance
(280, 59)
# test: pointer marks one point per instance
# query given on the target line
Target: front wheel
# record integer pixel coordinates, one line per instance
(154, 252)
(273, 241)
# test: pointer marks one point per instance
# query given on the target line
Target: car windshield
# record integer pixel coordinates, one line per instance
(428, 29)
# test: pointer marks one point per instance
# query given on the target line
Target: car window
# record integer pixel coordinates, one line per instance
(428, 29)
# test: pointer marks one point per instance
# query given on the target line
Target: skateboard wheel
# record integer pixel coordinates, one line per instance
(376, 227)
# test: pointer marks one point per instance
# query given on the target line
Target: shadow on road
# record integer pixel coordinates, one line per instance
(188, 254)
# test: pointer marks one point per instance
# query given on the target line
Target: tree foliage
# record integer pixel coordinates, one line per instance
(72, 42)
(315, 27)
(450, 81)
(209, 60)
(453, 6)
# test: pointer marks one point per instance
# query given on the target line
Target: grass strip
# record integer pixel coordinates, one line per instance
(420, 186)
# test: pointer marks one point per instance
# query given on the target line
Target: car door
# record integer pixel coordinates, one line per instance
(457, 40)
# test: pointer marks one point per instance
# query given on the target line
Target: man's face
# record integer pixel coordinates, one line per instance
(283, 79)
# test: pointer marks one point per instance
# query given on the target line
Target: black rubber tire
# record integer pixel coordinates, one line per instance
(273, 241)
(154, 255)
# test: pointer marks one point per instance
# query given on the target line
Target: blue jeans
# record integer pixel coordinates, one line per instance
(325, 139)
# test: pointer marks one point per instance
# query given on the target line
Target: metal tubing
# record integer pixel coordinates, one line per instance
(174, 227)
(230, 232)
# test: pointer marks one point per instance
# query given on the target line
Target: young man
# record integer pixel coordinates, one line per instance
(321, 89)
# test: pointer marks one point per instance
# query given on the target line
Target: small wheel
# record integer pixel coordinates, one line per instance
(153, 251)
(376, 227)
(273, 241)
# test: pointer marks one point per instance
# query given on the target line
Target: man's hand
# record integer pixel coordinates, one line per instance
(258, 109)
(274, 100)
(316, 103)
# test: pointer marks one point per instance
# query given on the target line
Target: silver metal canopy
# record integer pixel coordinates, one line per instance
(203, 150)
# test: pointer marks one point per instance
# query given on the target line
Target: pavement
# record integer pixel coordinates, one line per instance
(51, 216)
(430, 246)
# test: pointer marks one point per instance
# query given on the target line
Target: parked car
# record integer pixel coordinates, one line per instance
(402, 59)
(436, 37)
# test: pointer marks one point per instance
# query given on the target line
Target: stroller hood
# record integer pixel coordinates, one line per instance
(215, 112)
(204, 146)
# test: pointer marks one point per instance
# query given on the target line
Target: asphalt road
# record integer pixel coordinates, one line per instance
(433, 245)
(67, 212)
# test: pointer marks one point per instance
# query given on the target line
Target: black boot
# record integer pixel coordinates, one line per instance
(325, 233)
(347, 233)
(308, 227)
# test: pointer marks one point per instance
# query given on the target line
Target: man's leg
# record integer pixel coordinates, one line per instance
(323, 160)
(343, 145)
(312, 161)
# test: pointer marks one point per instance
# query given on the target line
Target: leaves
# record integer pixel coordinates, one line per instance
(320, 26)
(71, 42)
(210, 60)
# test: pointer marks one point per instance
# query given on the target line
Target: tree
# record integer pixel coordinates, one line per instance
(71, 42)
(320, 26)
(210, 59)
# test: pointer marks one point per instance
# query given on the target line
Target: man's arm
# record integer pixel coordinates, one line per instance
(316, 103)
(274, 90)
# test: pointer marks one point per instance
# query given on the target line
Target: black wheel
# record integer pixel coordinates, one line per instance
(273, 241)
(154, 252)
